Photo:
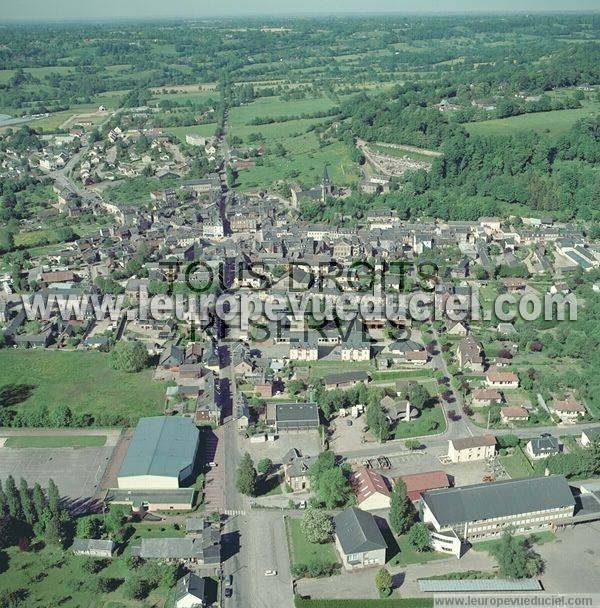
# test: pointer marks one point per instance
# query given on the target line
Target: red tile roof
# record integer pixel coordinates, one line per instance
(367, 482)
(420, 482)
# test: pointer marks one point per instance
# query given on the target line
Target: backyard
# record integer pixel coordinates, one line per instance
(304, 552)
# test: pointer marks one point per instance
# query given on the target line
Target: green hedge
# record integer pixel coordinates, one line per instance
(409, 602)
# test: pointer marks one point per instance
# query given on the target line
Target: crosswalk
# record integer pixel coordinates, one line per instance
(235, 512)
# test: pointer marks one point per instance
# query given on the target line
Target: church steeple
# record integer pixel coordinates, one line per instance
(325, 185)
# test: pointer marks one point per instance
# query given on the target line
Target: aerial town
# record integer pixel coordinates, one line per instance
(189, 415)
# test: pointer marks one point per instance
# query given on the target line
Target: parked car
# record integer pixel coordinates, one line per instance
(270, 572)
(229, 580)
(228, 592)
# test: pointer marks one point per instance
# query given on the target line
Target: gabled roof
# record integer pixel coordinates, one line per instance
(545, 444)
(92, 544)
(499, 499)
(417, 483)
(190, 584)
(357, 531)
(161, 445)
(473, 442)
(366, 483)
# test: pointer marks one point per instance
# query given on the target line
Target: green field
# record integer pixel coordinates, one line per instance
(83, 381)
(207, 130)
(402, 374)
(303, 552)
(556, 122)
(275, 107)
(41, 73)
(422, 425)
(55, 441)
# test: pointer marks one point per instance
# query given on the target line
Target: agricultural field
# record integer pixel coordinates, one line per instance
(83, 381)
(293, 150)
(556, 122)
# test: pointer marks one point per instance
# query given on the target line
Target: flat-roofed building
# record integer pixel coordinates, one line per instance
(180, 499)
(486, 510)
(161, 455)
(295, 416)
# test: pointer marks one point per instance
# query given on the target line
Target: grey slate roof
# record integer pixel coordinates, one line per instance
(205, 548)
(162, 446)
(545, 444)
(92, 544)
(343, 377)
(499, 499)
(358, 532)
(297, 412)
(190, 584)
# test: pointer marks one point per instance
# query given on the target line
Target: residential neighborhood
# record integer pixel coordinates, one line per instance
(240, 368)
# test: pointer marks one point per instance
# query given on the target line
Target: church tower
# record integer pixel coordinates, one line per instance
(326, 188)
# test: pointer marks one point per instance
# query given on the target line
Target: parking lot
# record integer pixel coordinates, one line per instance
(308, 442)
(421, 461)
(76, 471)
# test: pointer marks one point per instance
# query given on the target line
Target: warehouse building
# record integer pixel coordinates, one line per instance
(487, 510)
(161, 455)
(293, 416)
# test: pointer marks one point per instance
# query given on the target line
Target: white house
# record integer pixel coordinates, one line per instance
(471, 448)
(191, 592)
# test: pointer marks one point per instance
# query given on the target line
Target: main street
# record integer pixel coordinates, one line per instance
(254, 541)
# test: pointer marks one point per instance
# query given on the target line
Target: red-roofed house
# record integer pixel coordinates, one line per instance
(568, 409)
(371, 489)
(514, 414)
(500, 379)
(421, 482)
(483, 396)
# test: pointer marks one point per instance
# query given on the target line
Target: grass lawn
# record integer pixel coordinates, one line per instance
(83, 381)
(422, 425)
(207, 130)
(409, 555)
(320, 369)
(402, 374)
(158, 530)
(539, 538)
(517, 464)
(556, 122)
(303, 552)
(56, 441)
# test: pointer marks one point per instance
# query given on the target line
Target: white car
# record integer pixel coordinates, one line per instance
(270, 572)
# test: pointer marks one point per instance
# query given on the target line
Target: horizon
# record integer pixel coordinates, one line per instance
(70, 11)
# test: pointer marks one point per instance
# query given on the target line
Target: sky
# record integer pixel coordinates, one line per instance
(84, 10)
